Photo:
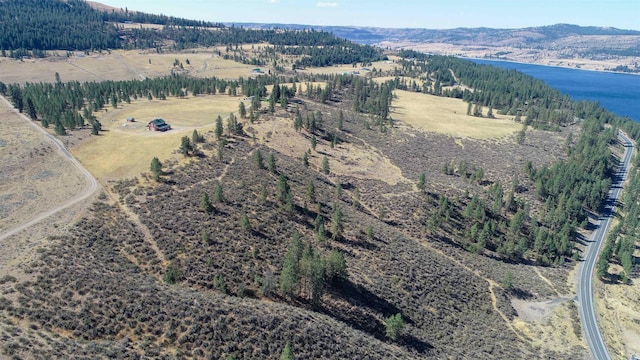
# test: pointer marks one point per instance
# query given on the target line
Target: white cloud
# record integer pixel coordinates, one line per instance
(327, 4)
(274, 1)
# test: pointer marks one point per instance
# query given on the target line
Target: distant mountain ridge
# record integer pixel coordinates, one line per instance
(370, 35)
(566, 45)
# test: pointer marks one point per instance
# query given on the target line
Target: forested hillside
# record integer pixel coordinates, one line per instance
(29, 28)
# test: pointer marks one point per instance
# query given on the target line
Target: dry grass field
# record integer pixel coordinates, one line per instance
(341, 69)
(120, 65)
(34, 176)
(551, 324)
(448, 116)
(126, 151)
(346, 159)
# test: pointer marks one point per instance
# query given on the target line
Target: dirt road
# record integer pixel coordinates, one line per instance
(89, 189)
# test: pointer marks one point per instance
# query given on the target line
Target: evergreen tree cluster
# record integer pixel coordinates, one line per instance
(621, 242)
(306, 272)
(71, 105)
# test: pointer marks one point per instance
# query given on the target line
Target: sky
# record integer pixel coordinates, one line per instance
(431, 14)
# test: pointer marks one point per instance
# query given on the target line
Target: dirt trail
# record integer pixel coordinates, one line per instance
(492, 284)
(90, 188)
(147, 234)
(547, 281)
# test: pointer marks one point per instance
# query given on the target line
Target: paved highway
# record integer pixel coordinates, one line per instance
(585, 280)
(92, 183)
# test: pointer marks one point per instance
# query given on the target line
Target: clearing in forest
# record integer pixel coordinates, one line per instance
(125, 149)
(448, 116)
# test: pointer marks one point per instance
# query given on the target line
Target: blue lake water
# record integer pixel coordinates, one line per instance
(618, 93)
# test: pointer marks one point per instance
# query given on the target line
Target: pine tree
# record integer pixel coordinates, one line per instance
(312, 272)
(244, 222)
(337, 225)
(59, 129)
(220, 150)
(336, 266)
(242, 110)
(185, 146)
(521, 135)
(305, 159)
(219, 129)
(196, 137)
(325, 165)
(311, 192)
(290, 274)
(95, 127)
(271, 163)
(218, 195)
(287, 353)
(321, 235)
(206, 239)
(156, 168)
(258, 159)
(507, 281)
(394, 325)
(314, 142)
(205, 203)
(421, 182)
(355, 199)
(283, 189)
(31, 109)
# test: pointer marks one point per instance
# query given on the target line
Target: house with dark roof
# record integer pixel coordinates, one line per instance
(158, 125)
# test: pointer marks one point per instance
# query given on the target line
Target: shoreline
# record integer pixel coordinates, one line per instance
(546, 65)
(619, 102)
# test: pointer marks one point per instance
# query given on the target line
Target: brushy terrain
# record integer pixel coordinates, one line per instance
(103, 289)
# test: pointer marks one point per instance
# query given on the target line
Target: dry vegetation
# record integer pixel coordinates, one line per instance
(124, 149)
(99, 289)
(121, 65)
(384, 66)
(617, 312)
(448, 116)
(34, 176)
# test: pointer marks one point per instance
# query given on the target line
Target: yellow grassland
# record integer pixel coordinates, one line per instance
(448, 116)
(125, 149)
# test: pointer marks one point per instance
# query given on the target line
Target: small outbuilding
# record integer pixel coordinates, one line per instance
(158, 125)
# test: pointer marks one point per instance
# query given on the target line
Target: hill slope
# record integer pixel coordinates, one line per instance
(313, 214)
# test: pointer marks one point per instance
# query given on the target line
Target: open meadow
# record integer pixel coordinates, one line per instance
(448, 116)
(359, 69)
(125, 149)
(121, 65)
